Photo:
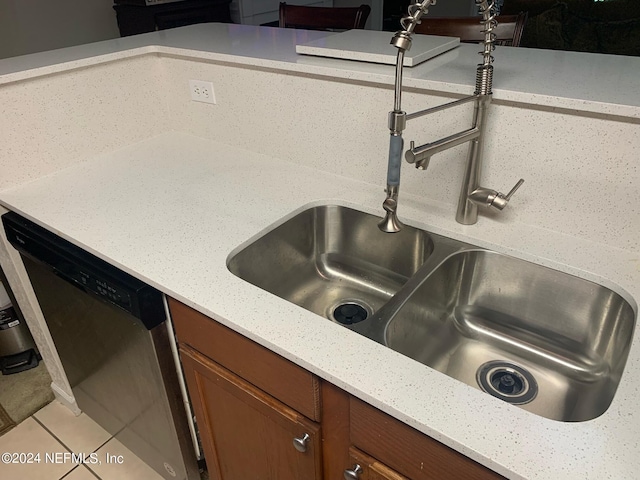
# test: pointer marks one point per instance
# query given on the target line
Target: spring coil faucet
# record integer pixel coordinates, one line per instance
(471, 195)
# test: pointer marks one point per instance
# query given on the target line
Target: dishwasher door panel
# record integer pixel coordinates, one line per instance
(113, 364)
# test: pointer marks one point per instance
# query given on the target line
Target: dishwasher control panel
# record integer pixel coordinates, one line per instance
(83, 269)
(102, 287)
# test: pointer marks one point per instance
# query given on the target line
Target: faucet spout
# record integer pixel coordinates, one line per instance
(398, 119)
(415, 154)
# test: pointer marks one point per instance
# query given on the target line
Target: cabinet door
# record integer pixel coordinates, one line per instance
(245, 433)
(369, 468)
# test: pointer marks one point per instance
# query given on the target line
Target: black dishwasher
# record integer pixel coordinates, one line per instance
(111, 334)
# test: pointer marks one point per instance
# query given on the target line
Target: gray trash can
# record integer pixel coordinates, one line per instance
(18, 351)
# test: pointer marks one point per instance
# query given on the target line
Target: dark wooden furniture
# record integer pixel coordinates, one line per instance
(611, 27)
(323, 18)
(469, 29)
(135, 19)
(261, 416)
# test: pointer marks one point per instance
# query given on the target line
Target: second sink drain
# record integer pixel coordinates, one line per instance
(507, 381)
(349, 312)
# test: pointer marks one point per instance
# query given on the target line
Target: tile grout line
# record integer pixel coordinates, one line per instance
(68, 449)
(66, 475)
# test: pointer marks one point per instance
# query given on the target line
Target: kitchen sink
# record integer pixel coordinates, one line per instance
(543, 340)
(550, 342)
(333, 261)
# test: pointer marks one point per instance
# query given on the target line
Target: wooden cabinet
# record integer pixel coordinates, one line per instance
(245, 432)
(406, 450)
(135, 17)
(250, 404)
(255, 409)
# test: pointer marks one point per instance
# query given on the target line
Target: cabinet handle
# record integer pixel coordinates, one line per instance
(354, 473)
(301, 443)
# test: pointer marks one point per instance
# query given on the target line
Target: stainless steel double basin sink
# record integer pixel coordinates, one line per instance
(548, 342)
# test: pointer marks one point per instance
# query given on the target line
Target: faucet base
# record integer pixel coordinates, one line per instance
(468, 214)
(390, 222)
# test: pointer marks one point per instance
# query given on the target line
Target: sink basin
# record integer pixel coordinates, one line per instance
(333, 261)
(550, 343)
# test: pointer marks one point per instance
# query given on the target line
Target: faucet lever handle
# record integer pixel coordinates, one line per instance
(514, 189)
(501, 200)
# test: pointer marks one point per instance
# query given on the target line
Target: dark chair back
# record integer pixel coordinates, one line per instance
(323, 18)
(469, 29)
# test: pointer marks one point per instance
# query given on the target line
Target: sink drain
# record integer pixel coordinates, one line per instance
(507, 381)
(350, 312)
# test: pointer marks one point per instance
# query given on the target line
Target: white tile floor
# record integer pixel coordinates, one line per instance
(54, 431)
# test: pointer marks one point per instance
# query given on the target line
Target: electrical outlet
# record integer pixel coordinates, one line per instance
(202, 91)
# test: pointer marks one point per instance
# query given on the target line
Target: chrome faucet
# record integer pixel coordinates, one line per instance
(472, 194)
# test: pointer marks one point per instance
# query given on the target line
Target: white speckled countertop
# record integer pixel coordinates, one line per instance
(174, 224)
(171, 210)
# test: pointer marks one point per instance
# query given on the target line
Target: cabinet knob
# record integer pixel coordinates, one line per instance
(354, 473)
(301, 443)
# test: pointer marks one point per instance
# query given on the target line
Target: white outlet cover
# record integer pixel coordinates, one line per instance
(202, 91)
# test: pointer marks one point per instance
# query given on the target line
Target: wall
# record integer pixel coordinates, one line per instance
(28, 26)
(50, 122)
(18, 280)
(577, 167)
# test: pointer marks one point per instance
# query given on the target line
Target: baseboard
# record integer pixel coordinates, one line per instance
(65, 399)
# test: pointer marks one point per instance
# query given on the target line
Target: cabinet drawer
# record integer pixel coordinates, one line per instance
(406, 450)
(292, 385)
